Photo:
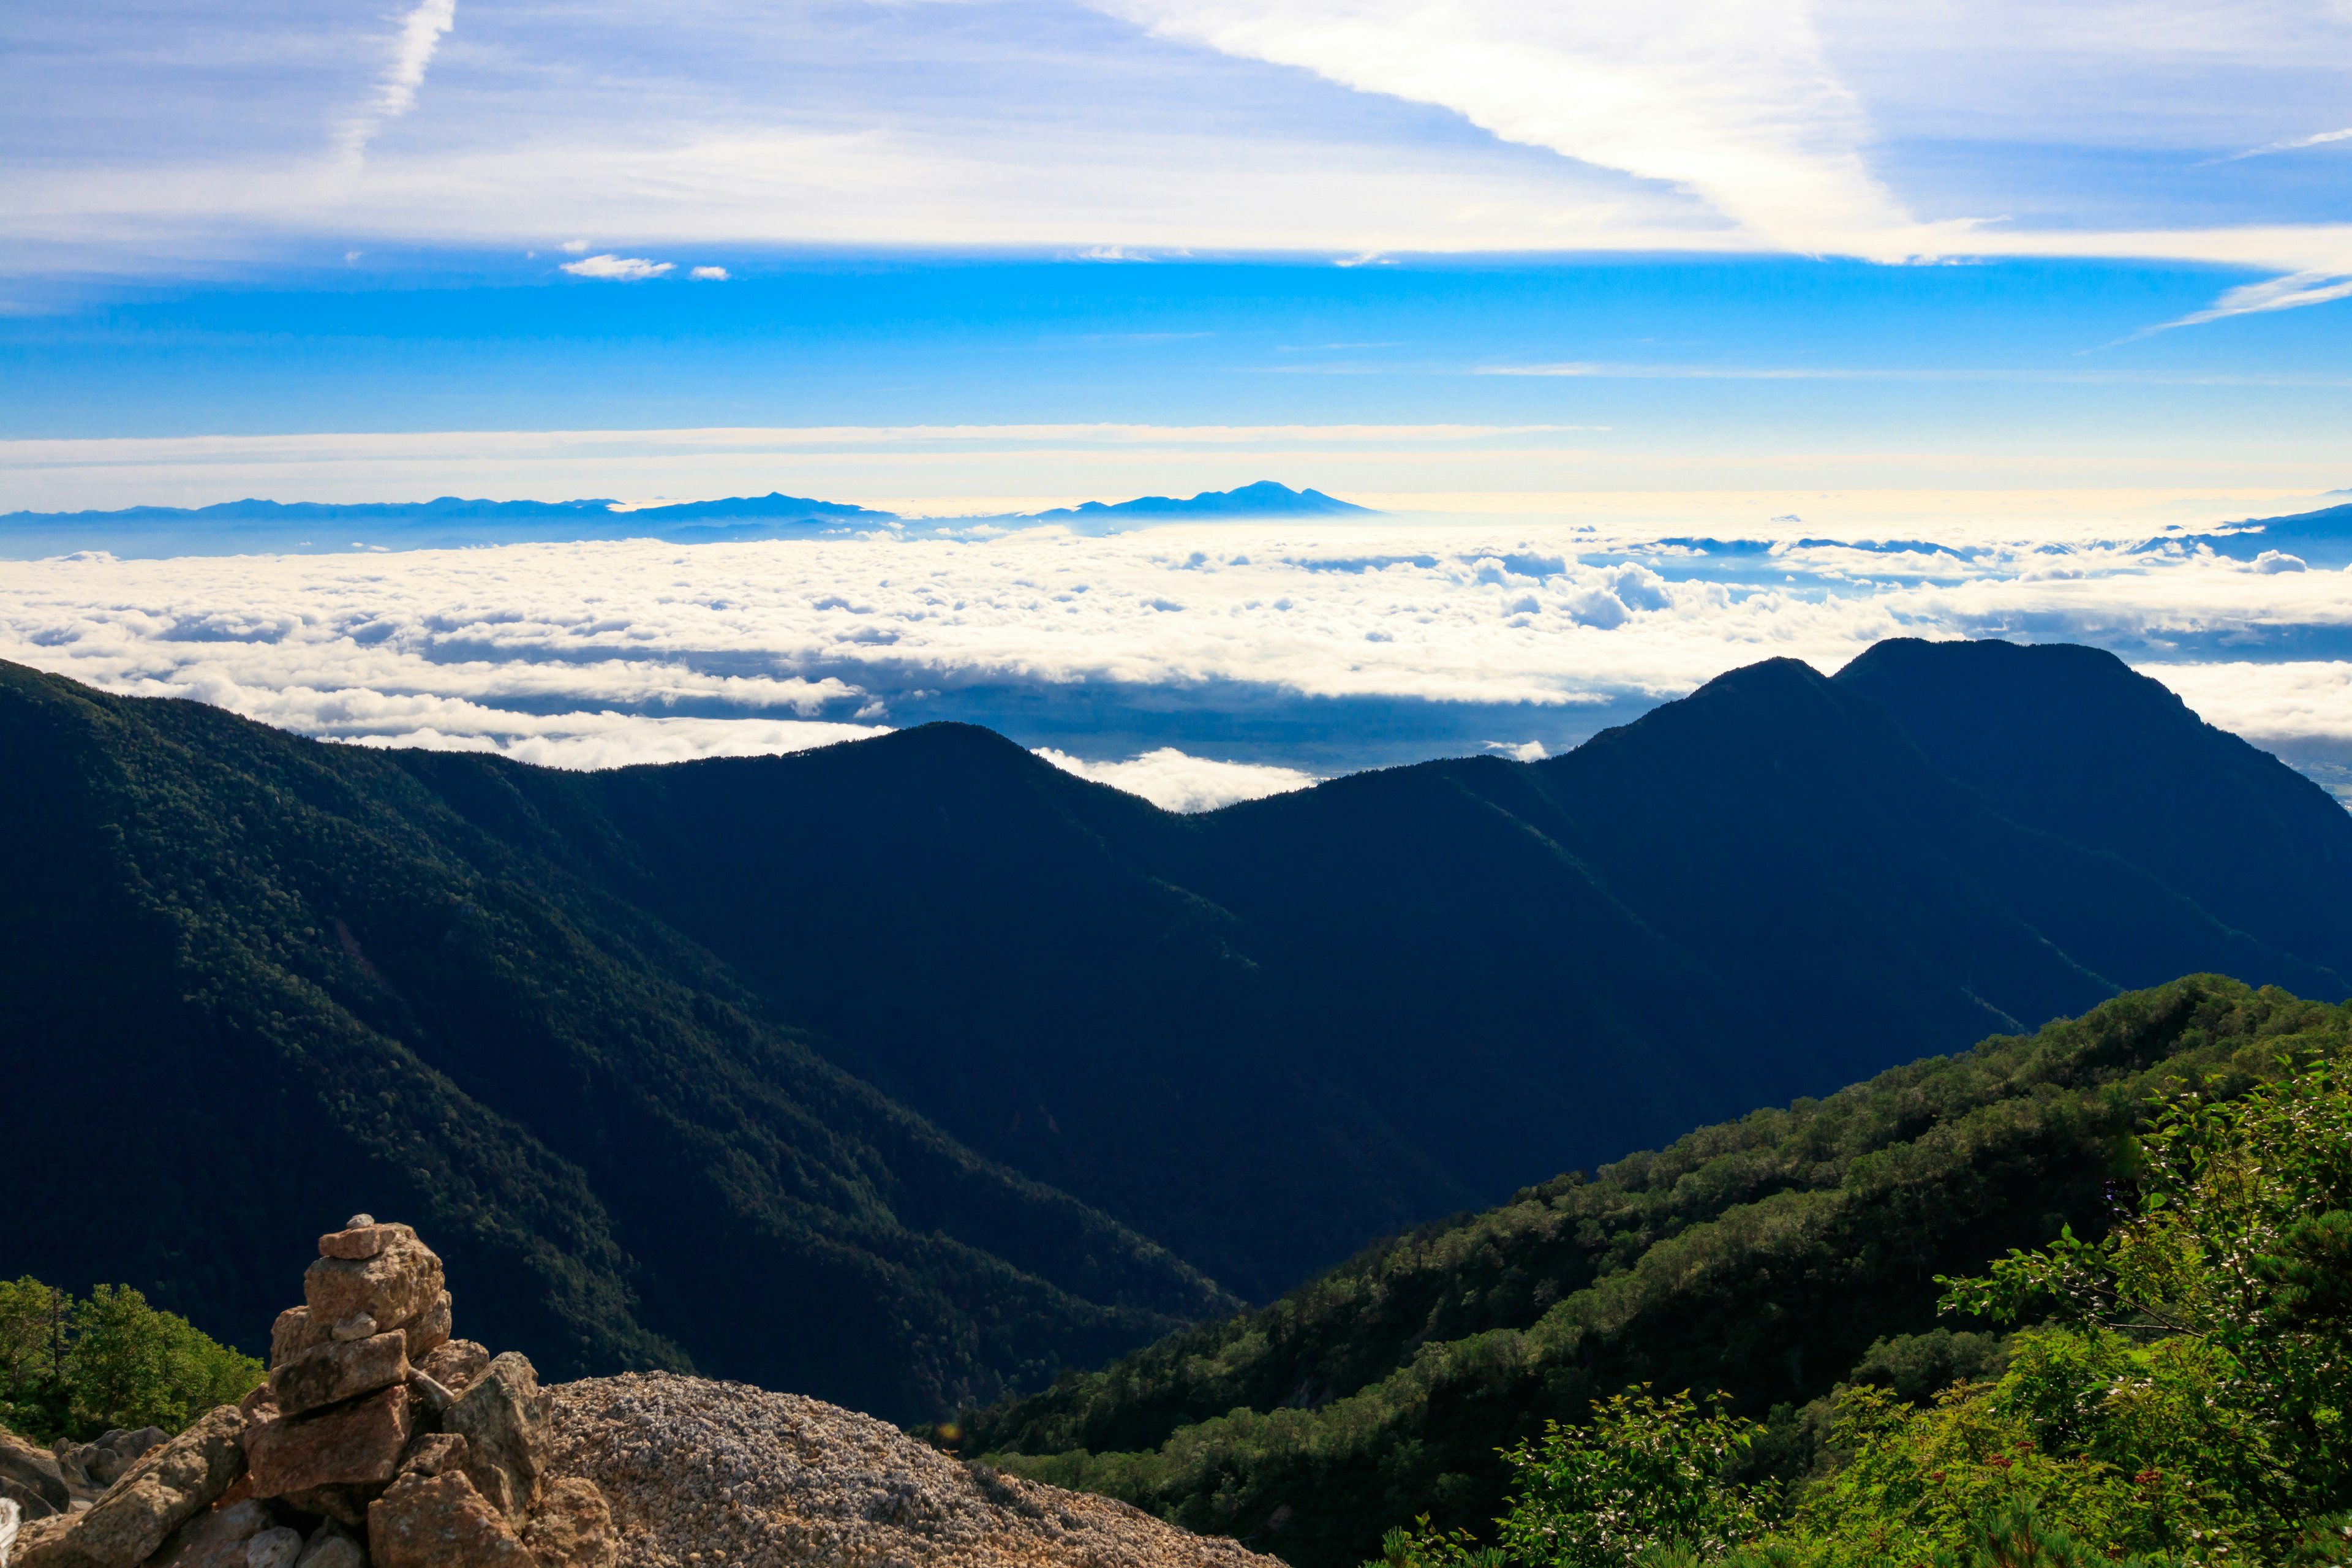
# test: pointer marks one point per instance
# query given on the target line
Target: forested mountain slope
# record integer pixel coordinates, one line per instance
(888, 1072)
(1762, 1257)
(254, 984)
(1409, 991)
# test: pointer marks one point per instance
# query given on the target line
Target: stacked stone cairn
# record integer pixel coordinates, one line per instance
(378, 1439)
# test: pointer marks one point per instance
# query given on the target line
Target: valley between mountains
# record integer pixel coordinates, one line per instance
(914, 1073)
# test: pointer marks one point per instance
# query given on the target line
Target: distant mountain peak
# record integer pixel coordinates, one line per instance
(1265, 498)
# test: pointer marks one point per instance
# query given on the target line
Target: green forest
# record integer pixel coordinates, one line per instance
(77, 1367)
(2069, 1294)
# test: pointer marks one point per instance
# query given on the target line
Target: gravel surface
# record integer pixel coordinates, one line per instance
(722, 1473)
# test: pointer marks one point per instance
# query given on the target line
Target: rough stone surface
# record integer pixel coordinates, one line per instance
(395, 1287)
(28, 1502)
(432, 1453)
(156, 1495)
(328, 1373)
(359, 1240)
(357, 1444)
(441, 1521)
(104, 1461)
(431, 1332)
(503, 1419)
(10, 1522)
(333, 1552)
(35, 1470)
(295, 1331)
(692, 1468)
(43, 1543)
(573, 1527)
(273, 1547)
(456, 1365)
(214, 1538)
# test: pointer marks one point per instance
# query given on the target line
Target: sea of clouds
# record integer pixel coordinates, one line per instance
(1193, 665)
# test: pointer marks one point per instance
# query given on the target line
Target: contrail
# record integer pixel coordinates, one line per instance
(2287, 146)
(420, 34)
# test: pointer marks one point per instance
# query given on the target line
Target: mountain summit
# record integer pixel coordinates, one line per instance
(1264, 498)
(912, 1070)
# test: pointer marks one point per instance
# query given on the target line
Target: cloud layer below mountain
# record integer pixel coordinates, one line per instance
(1285, 652)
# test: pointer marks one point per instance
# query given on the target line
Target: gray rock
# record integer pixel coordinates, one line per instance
(28, 1503)
(358, 1326)
(37, 1472)
(333, 1552)
(154, 1496)
(276, 1548)
(214, 1538)
(503, 1419)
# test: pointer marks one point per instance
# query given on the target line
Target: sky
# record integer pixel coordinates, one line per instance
(2030, 284)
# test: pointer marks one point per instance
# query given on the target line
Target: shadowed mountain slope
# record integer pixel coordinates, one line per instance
(738, 1059)
(1404, 993)
(253, 980)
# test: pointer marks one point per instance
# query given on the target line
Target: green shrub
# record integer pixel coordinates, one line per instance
(75, 1369)
(2183, 1402)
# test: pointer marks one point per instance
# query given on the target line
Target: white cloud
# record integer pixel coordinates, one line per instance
(1172, 781)
(1730, 100)
(641, 648)
(2314, 287)
(2299, 700)
(2292, 144)
(708, 274)
(617, 269)
(575, 247)
(420, 34)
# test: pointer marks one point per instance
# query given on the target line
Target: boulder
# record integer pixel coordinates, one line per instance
(335, 1550)
(329, 1373)
(434, 1454)
(456, 1365)
(274, 1548)
(431, 1332)
(11, 1520)
(441, 1521)
(28, 1502)
(34, 1472)
(41, 1541)
(214, 1538)
(295, 1331)
(503, 1419)
(395, 1288)
(573, 1527)
(356, 1444)
(359, 1241)
(154, 1498)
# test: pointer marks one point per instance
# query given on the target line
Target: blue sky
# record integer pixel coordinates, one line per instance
(1550, 285)
(2104, 234)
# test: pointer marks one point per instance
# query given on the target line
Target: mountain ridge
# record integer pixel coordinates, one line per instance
(927, 1021)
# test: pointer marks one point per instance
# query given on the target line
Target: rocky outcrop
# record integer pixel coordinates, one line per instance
(32, 1479)
(378, 1439)
(721, 1473)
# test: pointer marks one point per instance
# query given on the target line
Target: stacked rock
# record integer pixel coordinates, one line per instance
(378, 1439)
